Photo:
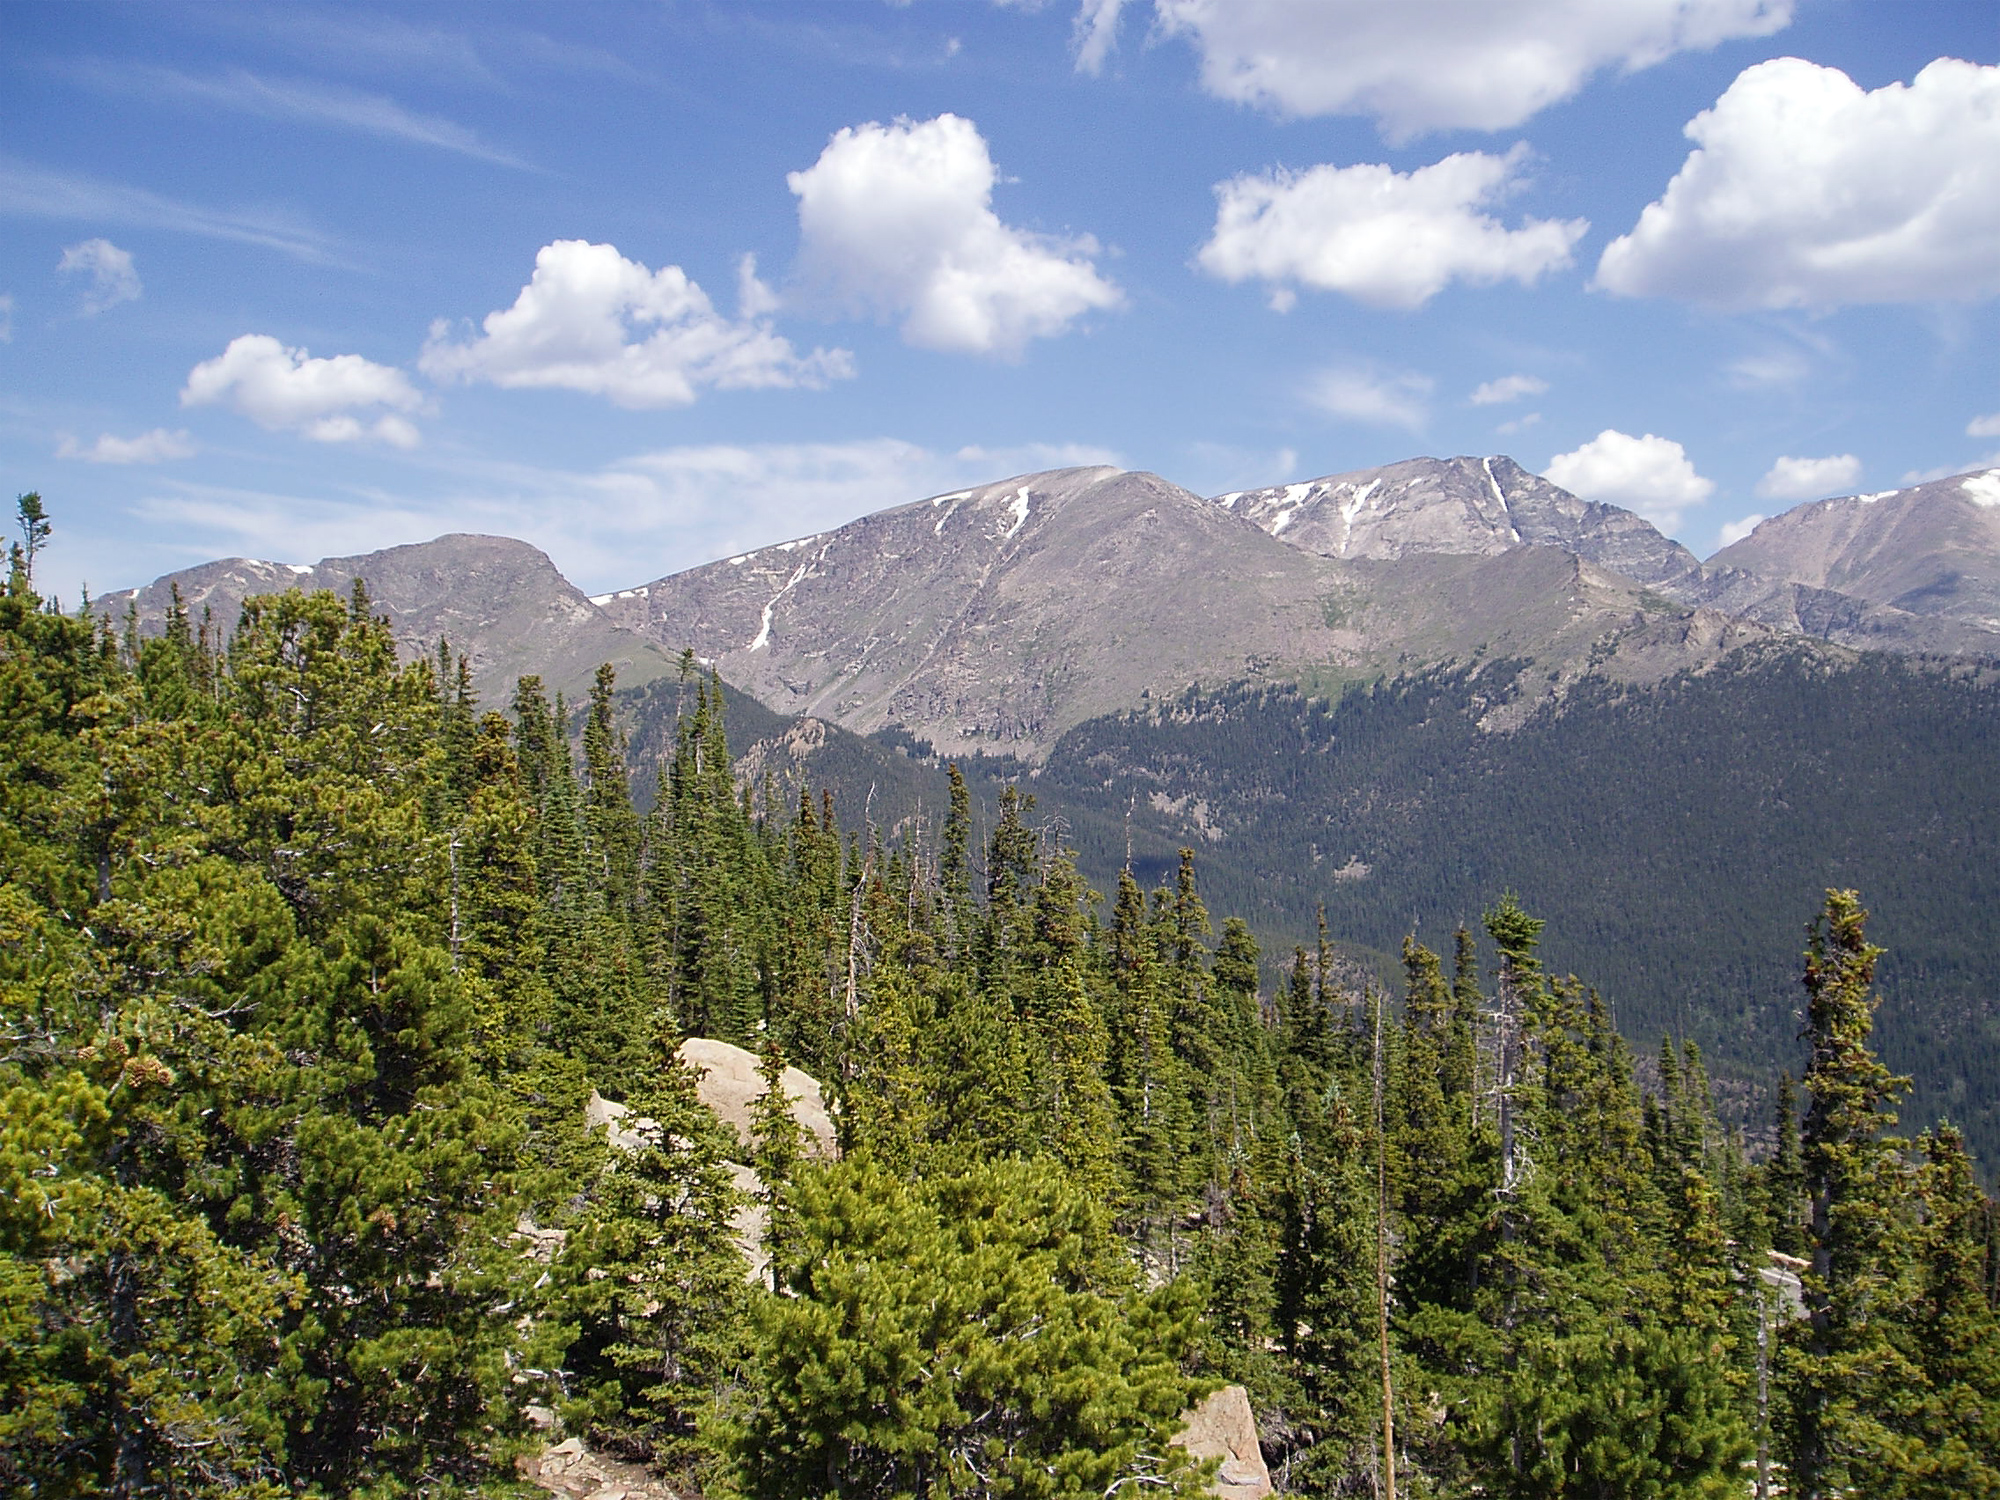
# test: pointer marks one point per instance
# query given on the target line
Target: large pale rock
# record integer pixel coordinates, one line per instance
(1224, 1427)
(751, 1219)
(729, 1084)
(611, 1117)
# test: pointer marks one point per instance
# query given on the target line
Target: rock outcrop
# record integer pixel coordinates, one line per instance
(1224, 1427)
(728, 1081)
(571, 1470)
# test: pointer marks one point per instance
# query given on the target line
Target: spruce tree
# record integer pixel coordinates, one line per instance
(1840, 1351)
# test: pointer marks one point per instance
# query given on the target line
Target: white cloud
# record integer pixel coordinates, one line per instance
(1650, 475)
(1386, 238)
(287, 390)
(6, 317)
(112, 277)
(1420, 65)
(1508, 388)
(1732, 532)
(1806, 191)
(626, 523)
(1809, 478)
(1362, 395)
(753, 298)
(1096, 33)
(1520, 424)
(897, 220)
(590, 320)
(1781, 367)
(153, 447)
(1984, 426)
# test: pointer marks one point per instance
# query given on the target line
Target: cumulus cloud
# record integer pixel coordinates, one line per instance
(153, 447)
(112, 277)
(897, 220)
(1984, 426)
(1357, 394)
(1508, 388)
(1421, 65)
(1804, 190)
(1732, 532)
(287, 390)
(590, 320)
(1650, 475)
(1386, 238)
(1809, 478)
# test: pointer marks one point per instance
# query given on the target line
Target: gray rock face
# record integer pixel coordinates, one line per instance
(1907, 570)
(996, 618)
(500, 601)
(1472, 506)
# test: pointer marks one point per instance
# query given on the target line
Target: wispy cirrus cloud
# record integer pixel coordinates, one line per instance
(32, 192)
(1360, 393)
(302, 100)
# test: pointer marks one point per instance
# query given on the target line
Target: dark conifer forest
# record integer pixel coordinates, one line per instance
(310, 964)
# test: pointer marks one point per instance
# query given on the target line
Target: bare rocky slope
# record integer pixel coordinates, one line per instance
(995, 618)
(500, 602)
(1459, 506)
(1915, 569)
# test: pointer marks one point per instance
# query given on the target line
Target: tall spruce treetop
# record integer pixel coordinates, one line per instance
(1853, 1193)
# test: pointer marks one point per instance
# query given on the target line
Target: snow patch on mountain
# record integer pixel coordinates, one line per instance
(1983, 489)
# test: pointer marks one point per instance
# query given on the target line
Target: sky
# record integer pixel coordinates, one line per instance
(651, 284)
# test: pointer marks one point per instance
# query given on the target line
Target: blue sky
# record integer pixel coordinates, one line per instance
(651, 284)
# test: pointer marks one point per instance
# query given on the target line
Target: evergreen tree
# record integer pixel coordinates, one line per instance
(968, 1335)
(1841, 1355)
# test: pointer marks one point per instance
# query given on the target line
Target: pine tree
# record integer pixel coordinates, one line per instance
(965, 1335)
(1840, 1352)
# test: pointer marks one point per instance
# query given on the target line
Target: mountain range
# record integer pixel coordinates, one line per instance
(994, 619)
(1389, 693)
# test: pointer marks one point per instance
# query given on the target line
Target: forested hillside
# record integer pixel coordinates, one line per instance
(1679, 831)
(309, 964)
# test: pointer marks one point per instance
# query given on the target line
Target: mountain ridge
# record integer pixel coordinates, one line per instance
(991, 619)
(500, 602)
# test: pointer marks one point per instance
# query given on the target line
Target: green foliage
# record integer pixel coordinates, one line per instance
(969, 1335)
(309, 971)
(1674, 833)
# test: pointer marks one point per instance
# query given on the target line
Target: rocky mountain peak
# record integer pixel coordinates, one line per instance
(987, 618)
(1459, 506)
(500, 601)
(1914, 569)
